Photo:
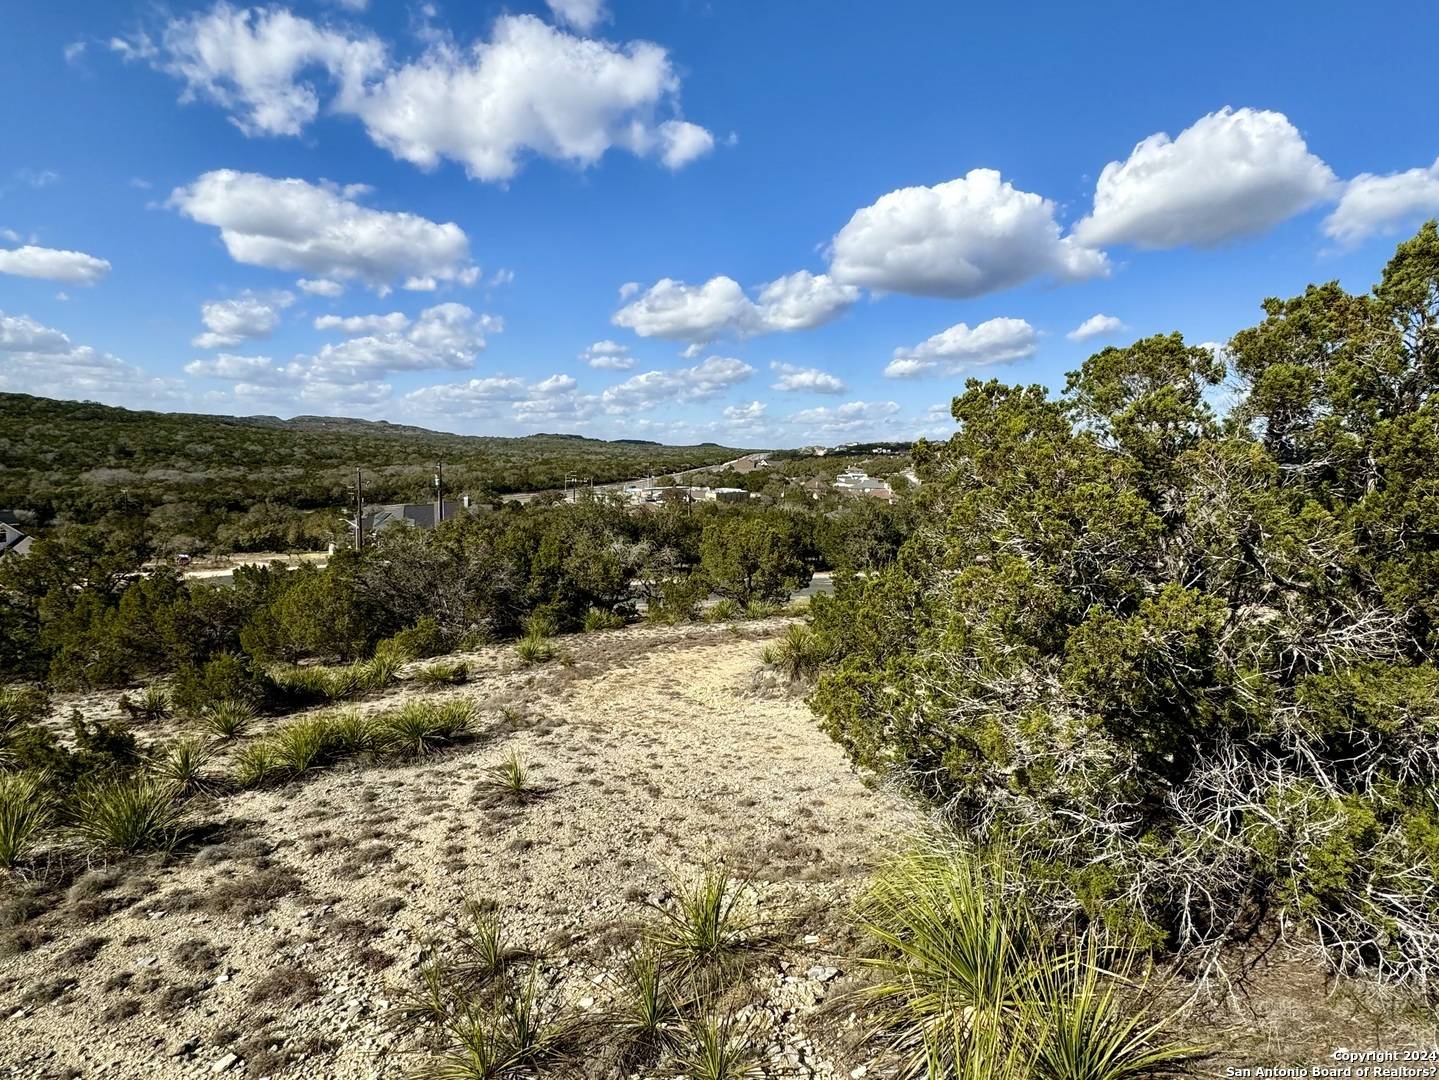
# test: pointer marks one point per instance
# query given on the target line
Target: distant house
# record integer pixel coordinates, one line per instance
(414, 515)
(857, 482)
(13, 541)
(729, 494)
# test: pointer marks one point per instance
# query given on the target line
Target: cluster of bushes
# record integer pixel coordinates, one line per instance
(84, 609)
(1184, 664)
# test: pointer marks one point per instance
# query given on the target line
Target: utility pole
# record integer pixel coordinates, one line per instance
(439, 492)
(359, 522)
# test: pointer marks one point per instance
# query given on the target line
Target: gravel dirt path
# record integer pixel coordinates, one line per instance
(276, 946)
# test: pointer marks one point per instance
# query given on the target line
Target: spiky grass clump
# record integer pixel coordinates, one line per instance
(597, 619)
(718, 1048)
(228, 719)
(535, 648)
(152, 704)
(127, 816)
(443, 673)
(972, 983)
(22, 705)
(645, 1020)
(485, 949)
(710, 929)
(422, 727)
(797, 655)
(26, 811)
(181, 765)
(511, 782)
(516, 1036)
(256, 765)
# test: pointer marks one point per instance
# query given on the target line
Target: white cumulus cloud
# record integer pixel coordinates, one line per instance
(704, 380)
(1096, 326)
(392, 323)
(38, 359)
(848, 419)
(608, 356)
(813, 380)
(1232, 173)
(962, 347)
(961, 238)
(320, 287)
(321, 229)
(700, 313)
(1383, 203)
(583, 15)
(52, 264)
(247, 317)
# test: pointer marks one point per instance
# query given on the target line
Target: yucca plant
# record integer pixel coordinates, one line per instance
(152, 704)
(26, 811)
(422, 727)
(1088, 1019)
(228, 719)
(352, 732)
(431, 999)
(303, 745)
(22, 705)
(255, 765)
(128, 816)
(443, 673)
(602, 619)
(534, 648)
(718, 1048)
(958, 959)
(511, 781)
(381, 670)
(797, 654)
(485, 951)
(711, 926)
(645, 1019)
(514, 1037)
(181, 764)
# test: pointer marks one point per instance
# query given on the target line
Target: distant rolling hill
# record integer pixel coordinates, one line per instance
(80, 460)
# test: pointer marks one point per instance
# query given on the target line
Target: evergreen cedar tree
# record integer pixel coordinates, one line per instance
(1182, 664)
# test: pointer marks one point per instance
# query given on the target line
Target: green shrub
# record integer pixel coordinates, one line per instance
(422, 727)
(597, 619)
(127, 816)
(228, 719)
(303, 745)
(227, 677)
(26, 811)
(513, 1036)
(21, 704)
(724, 610)
(676, 600)
(510, 781)
(181, 764)
(535, 649)
(442, 673)
(712, 926)
(424, 639)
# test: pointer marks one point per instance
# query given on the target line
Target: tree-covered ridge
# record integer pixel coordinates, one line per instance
(80, 460)
(1184, 663)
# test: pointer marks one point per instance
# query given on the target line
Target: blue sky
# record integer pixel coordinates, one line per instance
(762, 223)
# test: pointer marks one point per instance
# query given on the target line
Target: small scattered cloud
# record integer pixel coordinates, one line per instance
(1096, 326)
(608, 356)
(1382, 204)
(804, 379)
(51, 264)
(720, 307)
(962, 348)
(248, 317)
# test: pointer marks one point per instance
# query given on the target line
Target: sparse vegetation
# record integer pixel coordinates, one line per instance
(442, 673)
(535, 649)
(511, 781)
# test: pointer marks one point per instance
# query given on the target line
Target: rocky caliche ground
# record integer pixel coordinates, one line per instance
(276, 942)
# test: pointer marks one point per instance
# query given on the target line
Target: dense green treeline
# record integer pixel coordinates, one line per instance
(1182, 665)
(245, 483)
(87, 608)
